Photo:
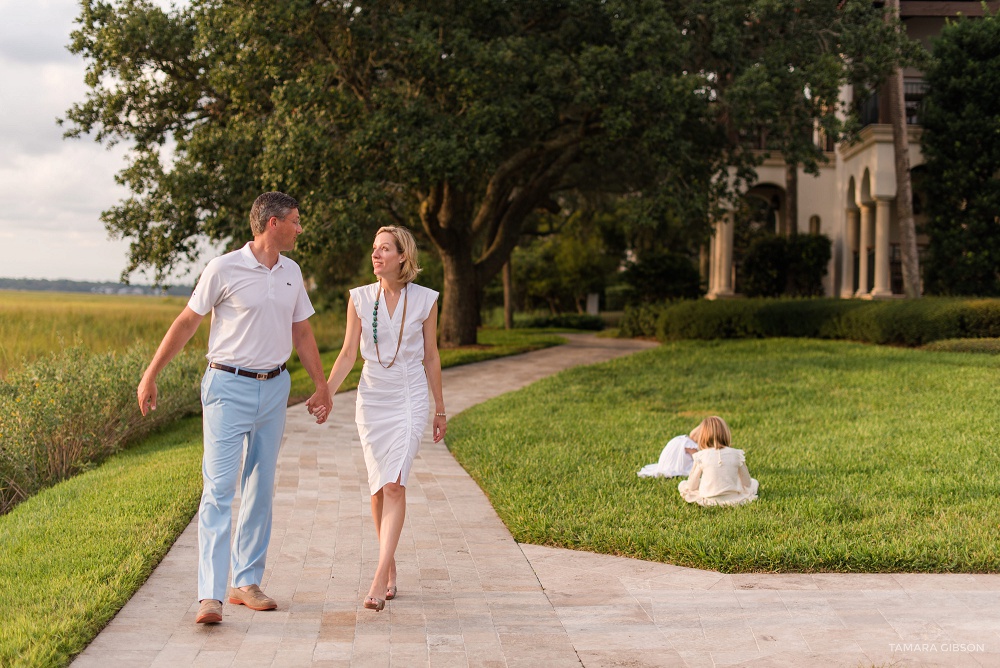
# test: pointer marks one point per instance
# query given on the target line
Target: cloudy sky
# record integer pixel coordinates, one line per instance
(52, 189)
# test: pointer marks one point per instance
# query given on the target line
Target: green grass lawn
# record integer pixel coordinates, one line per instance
(72, 555)
(870, 459)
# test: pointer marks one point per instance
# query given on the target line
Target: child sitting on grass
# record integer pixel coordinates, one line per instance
(719, 476)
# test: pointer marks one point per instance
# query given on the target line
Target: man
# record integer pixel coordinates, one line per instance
(259, 310)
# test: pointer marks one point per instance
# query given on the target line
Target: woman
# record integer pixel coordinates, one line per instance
(395, 324)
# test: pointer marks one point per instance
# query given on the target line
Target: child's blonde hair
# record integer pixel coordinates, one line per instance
(713, 432)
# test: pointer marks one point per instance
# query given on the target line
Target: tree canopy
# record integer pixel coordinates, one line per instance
(961, 145)
(456, 117)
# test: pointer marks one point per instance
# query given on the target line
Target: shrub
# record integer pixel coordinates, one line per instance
(63, 413)
(793, 266)
(765, 267)
(723, 319)
(809, 257)
(659, 276)
(897, 322)
(639, 320)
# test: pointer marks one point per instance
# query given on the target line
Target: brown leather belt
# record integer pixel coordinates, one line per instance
(248, 374)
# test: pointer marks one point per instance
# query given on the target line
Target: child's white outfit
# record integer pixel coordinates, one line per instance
(719, 477)
(674, 461)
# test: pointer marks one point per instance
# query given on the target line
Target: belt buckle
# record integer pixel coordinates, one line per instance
(263, 376)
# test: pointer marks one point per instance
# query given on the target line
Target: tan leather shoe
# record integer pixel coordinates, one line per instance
(253, 598)
(209, 612)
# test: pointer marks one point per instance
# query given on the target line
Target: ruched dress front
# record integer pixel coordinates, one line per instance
(393, 405)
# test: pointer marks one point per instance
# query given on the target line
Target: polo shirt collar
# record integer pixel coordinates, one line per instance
(251, 261)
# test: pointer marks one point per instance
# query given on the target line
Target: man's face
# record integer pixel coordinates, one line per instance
(287, 229)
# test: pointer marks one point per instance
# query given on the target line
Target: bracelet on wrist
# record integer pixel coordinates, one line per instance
(440, 415)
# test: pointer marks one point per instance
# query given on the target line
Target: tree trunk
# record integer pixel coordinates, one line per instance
(904, 185)
(791, 200)
(460, 301)
(508, 296)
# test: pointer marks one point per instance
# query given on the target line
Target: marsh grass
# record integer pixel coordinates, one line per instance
(34, 324)
(870, 459)
(64, 413)
(72, 555)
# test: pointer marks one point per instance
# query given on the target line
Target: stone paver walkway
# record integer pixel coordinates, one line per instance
(470, 596)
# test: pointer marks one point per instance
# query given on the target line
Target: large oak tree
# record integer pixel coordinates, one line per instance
(463, 115)
(460, 117)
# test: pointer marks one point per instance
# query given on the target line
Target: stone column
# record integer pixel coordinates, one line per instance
(713, 263)
(882, 287)
(847, 287)
(722, 258)
(726, 256)
(864, 243)
(705, 266)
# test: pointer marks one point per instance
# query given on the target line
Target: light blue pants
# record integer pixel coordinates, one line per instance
(243, 418)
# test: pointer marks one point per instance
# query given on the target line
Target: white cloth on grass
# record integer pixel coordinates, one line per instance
(674, 461)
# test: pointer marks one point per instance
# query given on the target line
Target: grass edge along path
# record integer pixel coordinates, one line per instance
(870, 458)
(72, 555)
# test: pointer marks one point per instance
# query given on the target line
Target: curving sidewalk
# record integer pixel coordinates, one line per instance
(471, 596)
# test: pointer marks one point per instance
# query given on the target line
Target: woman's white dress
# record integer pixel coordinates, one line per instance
(393, 405)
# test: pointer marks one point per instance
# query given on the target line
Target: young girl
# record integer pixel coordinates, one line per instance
(719, 476)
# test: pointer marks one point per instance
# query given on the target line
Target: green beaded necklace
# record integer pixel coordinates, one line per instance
(378, 296)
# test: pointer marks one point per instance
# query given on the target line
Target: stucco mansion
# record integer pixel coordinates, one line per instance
(853, 199)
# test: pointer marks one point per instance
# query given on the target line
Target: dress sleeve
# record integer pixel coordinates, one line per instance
(429, 297)
(744, 476)
(695, 478)
(355, 294)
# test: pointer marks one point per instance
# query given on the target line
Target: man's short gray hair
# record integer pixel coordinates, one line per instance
(267, 205)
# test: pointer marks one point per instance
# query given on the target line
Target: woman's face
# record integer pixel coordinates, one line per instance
(386, 259)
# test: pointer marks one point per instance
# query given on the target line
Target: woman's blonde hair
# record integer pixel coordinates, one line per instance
(406, 245)
(713, 432)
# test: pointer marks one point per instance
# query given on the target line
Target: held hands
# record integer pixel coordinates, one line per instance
(320, 404)
(439, 427)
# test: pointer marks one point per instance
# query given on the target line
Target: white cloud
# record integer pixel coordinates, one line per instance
(37, 30)
(53, 189)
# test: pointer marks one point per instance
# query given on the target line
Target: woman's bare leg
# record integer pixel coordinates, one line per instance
(377, 503)
(389, 511)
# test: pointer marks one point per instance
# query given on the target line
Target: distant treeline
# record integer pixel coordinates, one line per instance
(85, 286)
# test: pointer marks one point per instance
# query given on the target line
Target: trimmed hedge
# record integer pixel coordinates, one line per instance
(894, 322)
(562, 321)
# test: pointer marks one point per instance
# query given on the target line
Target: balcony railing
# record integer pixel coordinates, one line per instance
(874, 107)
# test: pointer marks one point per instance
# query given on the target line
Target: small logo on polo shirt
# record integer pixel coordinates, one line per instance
(288, 284)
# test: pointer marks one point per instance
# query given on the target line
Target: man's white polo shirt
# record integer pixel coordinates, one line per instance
(252, 308)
